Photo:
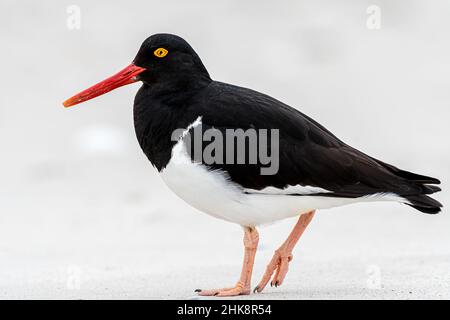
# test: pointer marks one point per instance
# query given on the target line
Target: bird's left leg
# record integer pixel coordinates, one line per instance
(283, 255)
(251, 238)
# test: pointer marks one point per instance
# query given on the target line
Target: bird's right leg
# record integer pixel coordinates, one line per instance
(251, 238)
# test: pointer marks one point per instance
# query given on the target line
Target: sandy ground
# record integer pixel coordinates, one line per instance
(117, 242)
(83, 215)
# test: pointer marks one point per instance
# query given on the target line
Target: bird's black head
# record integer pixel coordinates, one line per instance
(165, 63)
(169, 61)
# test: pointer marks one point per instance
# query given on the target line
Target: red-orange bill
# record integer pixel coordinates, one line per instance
(123, 77)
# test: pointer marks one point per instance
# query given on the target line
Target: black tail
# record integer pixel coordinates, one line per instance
(424, 204)
(420, 200)
(414, 177)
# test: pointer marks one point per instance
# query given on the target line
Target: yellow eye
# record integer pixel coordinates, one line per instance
(160, 52)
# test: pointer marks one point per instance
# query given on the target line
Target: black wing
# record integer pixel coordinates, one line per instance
(309, 154)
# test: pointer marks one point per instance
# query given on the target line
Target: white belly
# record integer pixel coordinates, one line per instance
(213, 193)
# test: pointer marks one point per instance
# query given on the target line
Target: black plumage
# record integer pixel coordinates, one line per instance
(178, 90)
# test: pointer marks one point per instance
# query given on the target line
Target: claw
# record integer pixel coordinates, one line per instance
(256, 289)
(198, 290)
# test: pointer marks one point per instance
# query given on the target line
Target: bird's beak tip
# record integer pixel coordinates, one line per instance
(67, 104)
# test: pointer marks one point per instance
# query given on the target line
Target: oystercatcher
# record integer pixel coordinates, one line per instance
(315, 169)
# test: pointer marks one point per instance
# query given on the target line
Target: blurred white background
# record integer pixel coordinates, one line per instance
(84, 215)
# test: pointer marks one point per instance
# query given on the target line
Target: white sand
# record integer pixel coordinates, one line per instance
(114, 241)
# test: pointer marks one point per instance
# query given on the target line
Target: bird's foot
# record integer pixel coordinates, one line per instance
(238, 289)
(279, 263)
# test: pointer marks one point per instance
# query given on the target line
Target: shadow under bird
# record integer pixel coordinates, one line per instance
(316, 170)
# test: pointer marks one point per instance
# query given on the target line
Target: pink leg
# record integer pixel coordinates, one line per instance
(251, 239)
(283, 255)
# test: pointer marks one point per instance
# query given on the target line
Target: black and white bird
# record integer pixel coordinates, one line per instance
(316, 170)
